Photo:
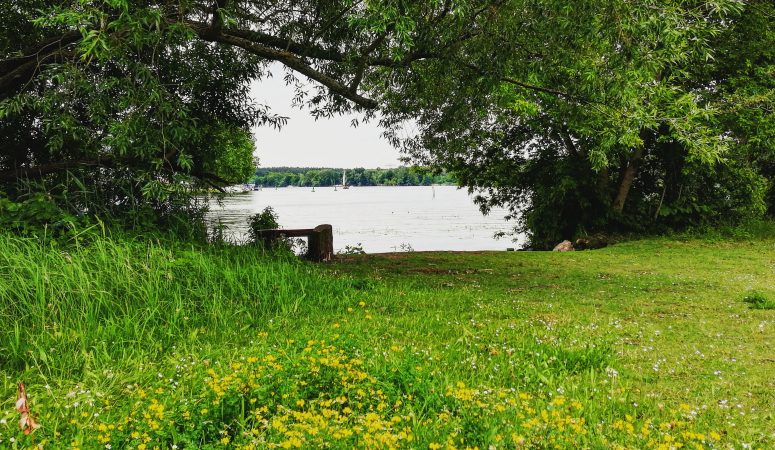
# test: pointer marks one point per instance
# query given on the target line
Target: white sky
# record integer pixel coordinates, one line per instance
(305, 142)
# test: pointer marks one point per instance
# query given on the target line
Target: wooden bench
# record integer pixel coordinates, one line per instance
(320, 245)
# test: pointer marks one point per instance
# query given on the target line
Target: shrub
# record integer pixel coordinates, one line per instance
(265, 220)
(36, 215)
(268, 220)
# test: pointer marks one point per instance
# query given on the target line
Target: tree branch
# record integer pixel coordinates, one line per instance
(42, 170)
(46, 169)
(36, 52)
(14, 80)
(537, 88)
(309, 50)
(290, 60)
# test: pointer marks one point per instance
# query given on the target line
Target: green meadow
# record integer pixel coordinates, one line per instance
(134, 343)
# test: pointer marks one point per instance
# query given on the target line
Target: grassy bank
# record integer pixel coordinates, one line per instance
(131, 344)
(66, 310)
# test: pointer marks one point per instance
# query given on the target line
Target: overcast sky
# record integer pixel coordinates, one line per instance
(305, 142)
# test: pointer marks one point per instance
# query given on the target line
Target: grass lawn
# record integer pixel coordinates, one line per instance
(645, 344)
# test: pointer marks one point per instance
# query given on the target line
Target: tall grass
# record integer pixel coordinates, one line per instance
(64, 309)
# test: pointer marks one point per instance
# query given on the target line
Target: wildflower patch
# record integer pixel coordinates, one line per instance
(324, 394)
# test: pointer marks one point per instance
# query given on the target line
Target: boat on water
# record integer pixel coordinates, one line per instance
(238, 188)
(344, 180)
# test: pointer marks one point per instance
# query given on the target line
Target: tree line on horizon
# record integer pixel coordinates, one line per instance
(304, 176)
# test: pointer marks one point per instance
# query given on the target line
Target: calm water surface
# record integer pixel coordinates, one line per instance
(380, 218)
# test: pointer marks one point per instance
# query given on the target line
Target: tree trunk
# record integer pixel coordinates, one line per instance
(628, 176)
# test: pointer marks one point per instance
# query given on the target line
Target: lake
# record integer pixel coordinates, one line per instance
(379, 218)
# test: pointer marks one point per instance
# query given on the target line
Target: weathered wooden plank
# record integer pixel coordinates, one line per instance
(320, 245)
(288, 233)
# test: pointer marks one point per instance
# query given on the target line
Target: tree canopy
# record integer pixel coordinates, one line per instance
(140, 99)
(584, 110)
(572, 109)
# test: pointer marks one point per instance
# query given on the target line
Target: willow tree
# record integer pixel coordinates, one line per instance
(134, 102)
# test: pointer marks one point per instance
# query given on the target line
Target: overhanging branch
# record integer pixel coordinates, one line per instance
(17, 71)
(42, 170)
(39, 51)
(287, 58)
(536, 88)
(39, 171)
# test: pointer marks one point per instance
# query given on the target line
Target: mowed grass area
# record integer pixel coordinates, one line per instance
(668, 317)
(646, 344)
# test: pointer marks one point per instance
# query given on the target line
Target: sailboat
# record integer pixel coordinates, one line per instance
(344, 180)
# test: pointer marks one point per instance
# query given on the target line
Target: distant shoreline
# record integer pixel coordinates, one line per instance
(240, 189)
(330, 177)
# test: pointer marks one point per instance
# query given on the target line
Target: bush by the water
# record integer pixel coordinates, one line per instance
(267, 219)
